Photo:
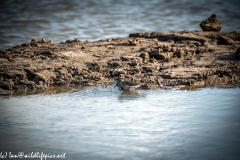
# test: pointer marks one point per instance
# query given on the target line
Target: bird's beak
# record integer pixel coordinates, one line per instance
(116, 84)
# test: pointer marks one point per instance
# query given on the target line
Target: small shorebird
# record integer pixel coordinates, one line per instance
(126, 86)
(211, 24)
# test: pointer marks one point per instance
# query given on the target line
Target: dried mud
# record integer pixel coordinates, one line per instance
(176, 59)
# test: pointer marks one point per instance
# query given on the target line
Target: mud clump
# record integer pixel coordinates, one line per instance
(155, 60)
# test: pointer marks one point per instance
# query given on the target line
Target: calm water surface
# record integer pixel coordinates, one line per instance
(105, 123)
(60, 20)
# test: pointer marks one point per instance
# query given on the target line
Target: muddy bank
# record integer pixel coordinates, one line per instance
(187, 58)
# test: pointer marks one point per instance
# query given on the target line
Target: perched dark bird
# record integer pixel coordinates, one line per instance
(211, 24)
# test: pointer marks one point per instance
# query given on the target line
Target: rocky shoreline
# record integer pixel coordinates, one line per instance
(155, 60)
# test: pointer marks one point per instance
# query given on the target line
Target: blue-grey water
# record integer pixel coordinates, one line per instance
(60, 20)
(106, 123)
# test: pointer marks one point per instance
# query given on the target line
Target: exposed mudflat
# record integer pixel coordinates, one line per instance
(175, 59)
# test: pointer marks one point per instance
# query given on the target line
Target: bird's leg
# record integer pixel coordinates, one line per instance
(117, 83)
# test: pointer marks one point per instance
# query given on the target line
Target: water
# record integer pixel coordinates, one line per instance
(60, 20)
(105, 123)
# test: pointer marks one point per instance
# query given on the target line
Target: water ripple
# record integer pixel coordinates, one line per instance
(93, 20)
(104, 123)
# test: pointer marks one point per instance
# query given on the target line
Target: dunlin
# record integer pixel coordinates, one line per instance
(211, 24)
(126, 86)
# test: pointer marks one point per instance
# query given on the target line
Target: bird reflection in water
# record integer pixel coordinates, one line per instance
(125, 85)
(128, 94)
